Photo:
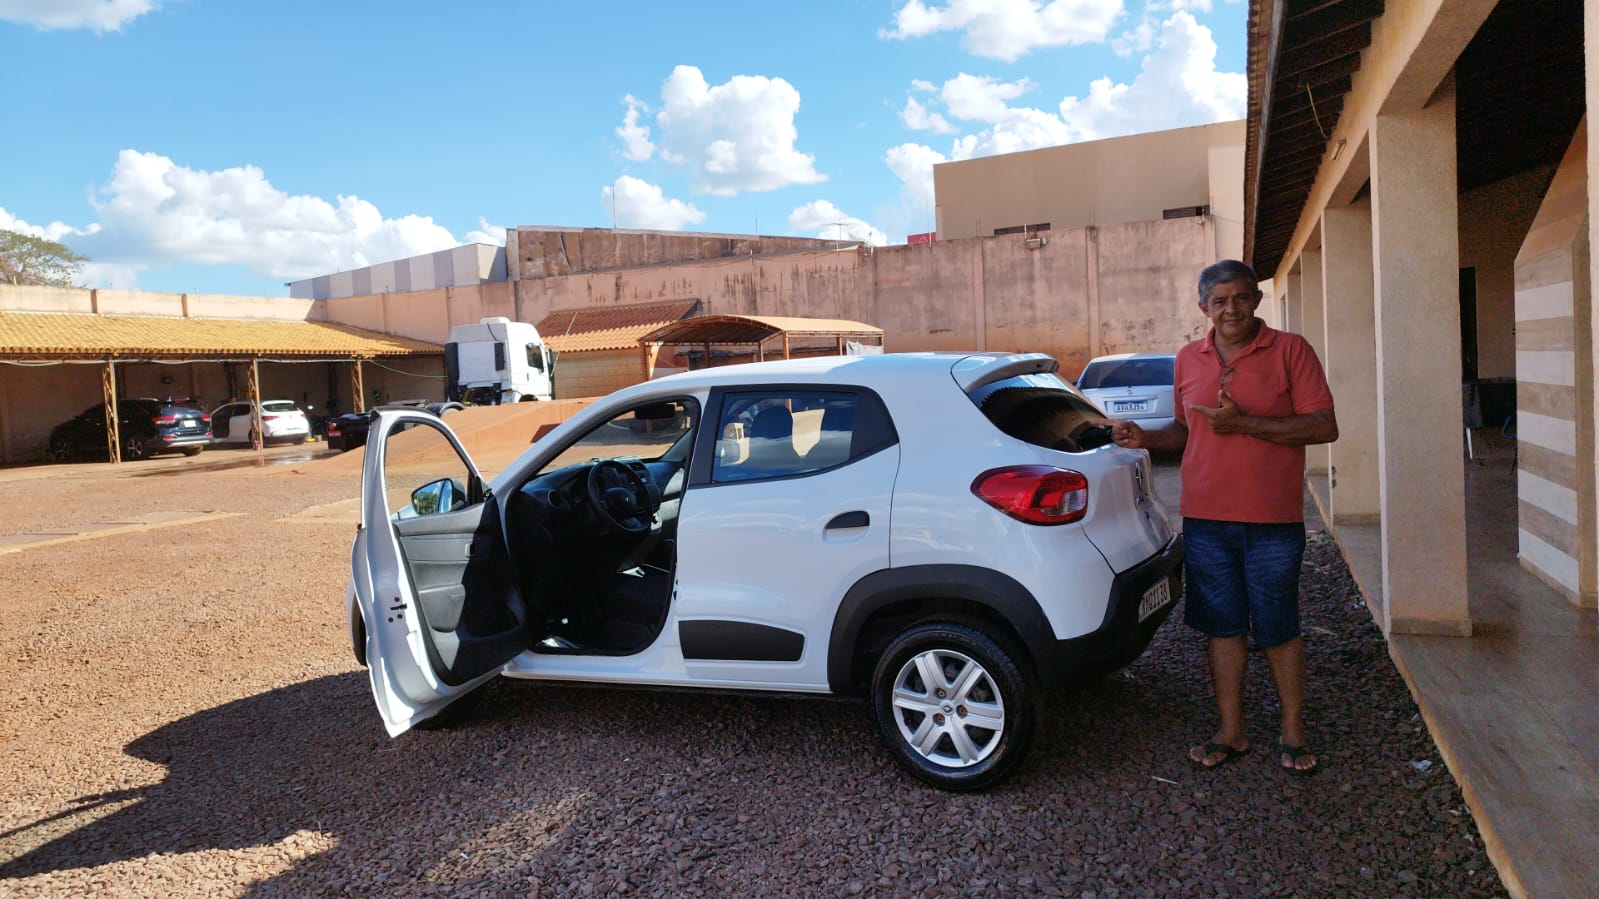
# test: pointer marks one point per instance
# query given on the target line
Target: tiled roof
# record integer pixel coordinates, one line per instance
(609, 327)
(46, 335)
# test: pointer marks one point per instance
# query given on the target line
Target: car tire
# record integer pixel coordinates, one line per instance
(134, 449)
(935, 730)
(60, 449)
(192, 450)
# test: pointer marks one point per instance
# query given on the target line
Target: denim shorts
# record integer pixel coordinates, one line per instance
(1243, 577)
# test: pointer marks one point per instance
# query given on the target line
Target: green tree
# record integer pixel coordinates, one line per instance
(25, 259)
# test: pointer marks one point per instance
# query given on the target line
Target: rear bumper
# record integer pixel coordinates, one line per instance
(176, 440)
(1121, 638)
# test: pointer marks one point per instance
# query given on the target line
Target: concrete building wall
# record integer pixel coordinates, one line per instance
(1081, 293)
(1493, 220)
(534, 253)
(1112, 181)
(1555, 379)
(466, 264)
(588, 374)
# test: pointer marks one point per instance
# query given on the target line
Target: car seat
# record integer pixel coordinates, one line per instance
(771, 438)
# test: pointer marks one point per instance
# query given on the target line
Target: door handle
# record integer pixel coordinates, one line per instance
(856, 519)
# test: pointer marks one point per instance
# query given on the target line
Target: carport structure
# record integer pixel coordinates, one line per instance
(41, 339)
(756, 332)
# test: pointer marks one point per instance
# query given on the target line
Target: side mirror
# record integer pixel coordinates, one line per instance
(442, 495)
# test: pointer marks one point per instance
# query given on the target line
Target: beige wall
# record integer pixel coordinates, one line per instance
(590, 374)
(1104, 182)
(28, 298)
(556, 252)
(1555, 379)
(1084, 292)
(1493, 221)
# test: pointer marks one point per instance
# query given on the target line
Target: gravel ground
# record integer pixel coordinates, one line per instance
(180, 716)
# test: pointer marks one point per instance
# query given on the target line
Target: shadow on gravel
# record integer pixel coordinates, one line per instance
(555, 790)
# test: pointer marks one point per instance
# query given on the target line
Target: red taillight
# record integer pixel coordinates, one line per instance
(205, 417)
(333, 429)
(1037, 494)
(160, 420)
(271, 416)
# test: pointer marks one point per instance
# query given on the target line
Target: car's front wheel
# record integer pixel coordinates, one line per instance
(60, 449)
(953, 705)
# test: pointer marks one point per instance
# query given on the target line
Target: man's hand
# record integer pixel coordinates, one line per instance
(1127, 434)
(1225, 417)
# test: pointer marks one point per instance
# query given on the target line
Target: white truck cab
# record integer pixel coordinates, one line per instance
(497, 361)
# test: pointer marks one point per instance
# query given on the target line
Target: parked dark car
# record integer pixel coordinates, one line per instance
(348, 431)
(147, 426)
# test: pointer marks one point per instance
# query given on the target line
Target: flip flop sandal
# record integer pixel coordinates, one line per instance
(1228, 754)
(1294, 754)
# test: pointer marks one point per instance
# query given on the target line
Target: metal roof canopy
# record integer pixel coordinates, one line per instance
(68, 337)
(56, 338)
(720, 330)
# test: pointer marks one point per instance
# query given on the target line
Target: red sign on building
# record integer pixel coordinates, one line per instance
(928, 237)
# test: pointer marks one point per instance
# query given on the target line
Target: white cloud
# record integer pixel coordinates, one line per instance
(732, 137)
(99, 15)
(1178, 86)
(154, 212)
(486, 233)
(828, 221)
(1009, 29)
(641, 205)
(917, 117)
(635, 137)
(913, 165)
(53, 231)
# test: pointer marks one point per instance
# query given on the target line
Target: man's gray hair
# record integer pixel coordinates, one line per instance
(1223, 272)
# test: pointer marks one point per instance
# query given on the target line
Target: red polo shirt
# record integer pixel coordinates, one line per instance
(1235, 477)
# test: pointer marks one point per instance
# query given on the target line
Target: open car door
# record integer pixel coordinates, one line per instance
(431, 574)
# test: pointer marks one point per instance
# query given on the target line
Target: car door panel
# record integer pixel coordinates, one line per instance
(437, 592)
(762, 553)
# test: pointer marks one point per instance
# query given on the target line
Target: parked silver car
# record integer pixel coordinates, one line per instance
(1134, 386)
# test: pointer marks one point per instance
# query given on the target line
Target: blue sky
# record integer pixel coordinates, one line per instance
(228, 146)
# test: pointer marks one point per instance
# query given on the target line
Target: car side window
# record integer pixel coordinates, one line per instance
(645, 432)
(783, 433)
(422, 472)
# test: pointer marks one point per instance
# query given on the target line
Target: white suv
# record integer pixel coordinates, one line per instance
(945, 535)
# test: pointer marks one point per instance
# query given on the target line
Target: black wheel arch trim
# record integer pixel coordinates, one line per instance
(968, 583)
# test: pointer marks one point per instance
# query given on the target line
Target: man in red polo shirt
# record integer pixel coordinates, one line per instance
(1248, 399)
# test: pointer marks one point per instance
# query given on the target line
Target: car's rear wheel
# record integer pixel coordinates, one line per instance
(61, 449)
(953, 705)
(192, 450)
(134, 448)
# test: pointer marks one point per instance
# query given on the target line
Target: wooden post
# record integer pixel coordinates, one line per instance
(644, 359)
(257, 434)
(108, 389)
(785, 344)
(357, 389)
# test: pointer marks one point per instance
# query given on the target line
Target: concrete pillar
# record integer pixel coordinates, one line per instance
(1420, 442)
(1294, 302)
(1313, 327)
(1588, 412)
(1351, 360)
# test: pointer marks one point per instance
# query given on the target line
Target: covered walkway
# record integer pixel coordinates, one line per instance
(1511, 708)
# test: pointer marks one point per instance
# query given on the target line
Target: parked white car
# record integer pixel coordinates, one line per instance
(1135, 386)
(945, 535)
(281, 422)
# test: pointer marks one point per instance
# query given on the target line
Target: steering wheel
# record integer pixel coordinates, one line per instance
(620, 498)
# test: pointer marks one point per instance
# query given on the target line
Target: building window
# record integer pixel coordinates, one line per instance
(1021, 229)
(1183, 212)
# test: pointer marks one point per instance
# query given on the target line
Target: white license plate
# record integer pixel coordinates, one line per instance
(1155, 598)
(1139, 406)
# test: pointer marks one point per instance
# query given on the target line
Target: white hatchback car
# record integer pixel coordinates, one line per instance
(1135, 386)
(945, 535)
(281, 422)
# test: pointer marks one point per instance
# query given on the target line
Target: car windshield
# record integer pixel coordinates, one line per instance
(1150, 371)
(1041, 410)
(278, 406)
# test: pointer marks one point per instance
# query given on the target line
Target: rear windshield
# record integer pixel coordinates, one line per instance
(1152, 372)
(1041, 410)
(278, 406)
